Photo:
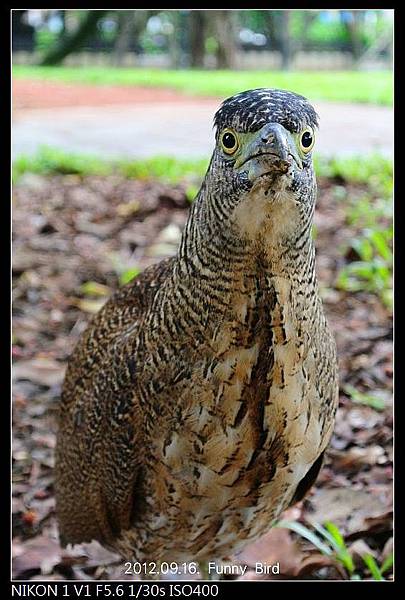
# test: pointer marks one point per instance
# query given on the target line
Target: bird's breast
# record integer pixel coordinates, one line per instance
(249, 426)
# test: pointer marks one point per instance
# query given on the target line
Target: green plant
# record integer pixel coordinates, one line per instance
(128, 275)
(366, 211)
(376, 571)
(373, 271)
(370, 215)
(162, 167)
(330, 542)
(48, 161)
(191, 192)
(365, 399)
(373, 170)
(44, 39)
(93, 288)
(125, 273)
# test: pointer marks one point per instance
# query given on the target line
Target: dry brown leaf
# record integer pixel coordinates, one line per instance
(388, 549)
(357, 457)
(352, 510)
(128, 208)
(277, 546)
(316, 561)
(40, 553)
(44, 371)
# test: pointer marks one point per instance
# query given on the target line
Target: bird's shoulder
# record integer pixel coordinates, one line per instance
(100, 440)
(121, 316)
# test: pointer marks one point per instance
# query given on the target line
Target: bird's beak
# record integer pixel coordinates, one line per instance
(271, 151)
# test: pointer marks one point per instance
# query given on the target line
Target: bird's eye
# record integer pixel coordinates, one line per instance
(229, 141)
(307, 140)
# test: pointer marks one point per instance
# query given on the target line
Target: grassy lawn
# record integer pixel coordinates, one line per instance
(49, 161)
(375, 87)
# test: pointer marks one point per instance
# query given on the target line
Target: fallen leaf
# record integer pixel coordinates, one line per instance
(388, 549)
(356, 457)
(37, 554)
(44, 371)
(89, 306)
(129, 208)
(315, 561)
(358, 549)
(93, 288)
(352, 510)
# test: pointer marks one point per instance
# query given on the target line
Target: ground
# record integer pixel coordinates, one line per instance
(132, 122)
(75, 240)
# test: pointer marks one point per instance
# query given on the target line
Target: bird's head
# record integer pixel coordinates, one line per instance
(261, 169)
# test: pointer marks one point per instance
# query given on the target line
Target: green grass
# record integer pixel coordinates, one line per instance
(365, 399)
(372, 272)
(330, 542)
(369, 214)
(51, 161)
(373, 170)
(374, 87)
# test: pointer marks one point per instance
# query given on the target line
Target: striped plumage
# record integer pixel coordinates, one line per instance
(198, 403)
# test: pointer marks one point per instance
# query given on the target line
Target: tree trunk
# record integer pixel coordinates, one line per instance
(62, 14)
(197, 38)
(353, 27)
(223, 22)
(285, 40)
(270, 28)
(130, 25)
(68, 43)
(308, 17)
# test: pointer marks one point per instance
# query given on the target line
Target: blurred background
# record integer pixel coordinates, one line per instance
(156, 74)
(221, 39)
(112, 134)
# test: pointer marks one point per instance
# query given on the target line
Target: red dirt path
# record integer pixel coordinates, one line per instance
(46, 94)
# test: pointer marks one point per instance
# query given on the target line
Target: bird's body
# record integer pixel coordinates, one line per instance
(199, 402)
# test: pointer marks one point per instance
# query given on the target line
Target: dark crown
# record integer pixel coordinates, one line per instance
(248, 111)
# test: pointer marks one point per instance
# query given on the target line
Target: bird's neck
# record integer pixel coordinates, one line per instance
(221, 285)
(214, 253)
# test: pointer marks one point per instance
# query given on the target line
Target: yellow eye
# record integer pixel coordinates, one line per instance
(307, 140)
(229, 141)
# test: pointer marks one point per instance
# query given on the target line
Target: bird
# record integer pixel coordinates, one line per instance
(198, 404)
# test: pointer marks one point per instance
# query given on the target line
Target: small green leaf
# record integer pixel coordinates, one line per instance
(339, 543)
(128, 275)
(92, 288)
(373, 567)
(387, 564)
(361, 398)
(191, 192)
(380, 243)
(307, 534)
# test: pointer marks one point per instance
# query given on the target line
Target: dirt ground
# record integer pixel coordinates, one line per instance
(46, 94)
(70, 231)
